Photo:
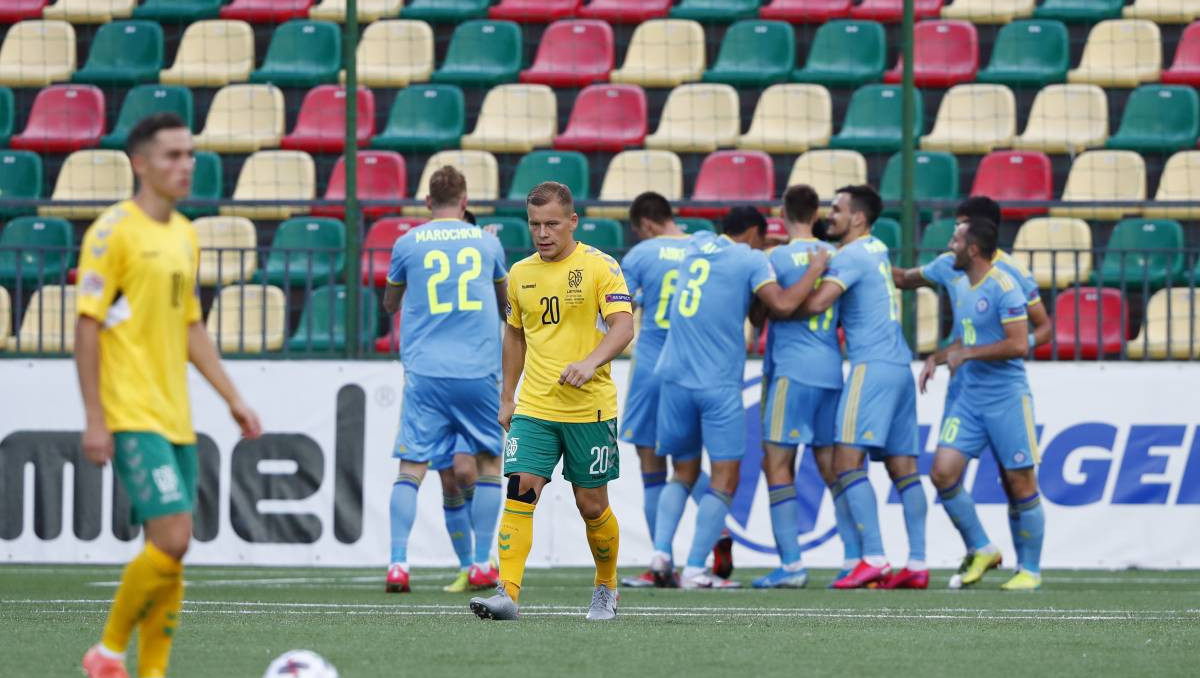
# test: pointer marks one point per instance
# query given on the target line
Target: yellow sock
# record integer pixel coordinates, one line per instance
(514, 540)
(157, 630)
(144, 580)
(604, 536)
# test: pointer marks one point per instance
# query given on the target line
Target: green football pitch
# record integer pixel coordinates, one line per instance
(237, 619)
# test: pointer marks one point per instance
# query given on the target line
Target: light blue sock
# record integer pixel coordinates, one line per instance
(458, 524)
(912, 496)
(783, 523)
(1033, 530)
(652, 488)
(851, 541)
(863, 509)
(961, 508)
(700, 488)
(1014, 526)
(404, 513)
(670, 509)
(485, 512)
(710, 521)
(468, 495)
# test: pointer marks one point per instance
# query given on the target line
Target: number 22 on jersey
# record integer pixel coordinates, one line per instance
(439, 262)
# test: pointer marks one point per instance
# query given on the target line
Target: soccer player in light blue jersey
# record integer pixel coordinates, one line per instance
(877, 413)
(701, 367)
(994, 406)
(450, 277)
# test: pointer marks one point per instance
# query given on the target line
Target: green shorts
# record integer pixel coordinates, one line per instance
(159, 477)
(588, 449)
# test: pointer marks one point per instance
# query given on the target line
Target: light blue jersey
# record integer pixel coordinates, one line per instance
(980, 313)
(651, 271)
(803, 351)
(870, 305)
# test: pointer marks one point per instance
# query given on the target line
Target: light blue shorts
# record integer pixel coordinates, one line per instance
(799, 414)
(639, 421)
(712, 419)
(442, 416)
(1008, 427)
(878, 410)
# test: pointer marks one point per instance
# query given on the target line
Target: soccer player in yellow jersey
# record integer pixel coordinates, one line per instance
(139, 325)
(569, 314)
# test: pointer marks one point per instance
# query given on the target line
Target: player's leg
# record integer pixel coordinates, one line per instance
(590, 462)
(466, 473)
(678, 429)
(403, 510)
(1013, 435)
(724, 435)
(485, 513)
(962, 438)
(458, 521)
(639, 428)
(778, 462)
(475, 413)
(1014, 519)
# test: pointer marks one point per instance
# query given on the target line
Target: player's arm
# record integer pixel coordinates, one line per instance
(1015, 344)
(758, 312)
(822, 298)
(620, 333)
(97, 439)
(394, 296)
(204, 356)
(783, 303)
(100, 267)
(936, 358)
(1040, 319)
(909, 278)
(512, 365)
(396, 278)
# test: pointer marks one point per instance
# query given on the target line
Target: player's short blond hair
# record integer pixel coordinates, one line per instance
(546, 191)
(447, 186)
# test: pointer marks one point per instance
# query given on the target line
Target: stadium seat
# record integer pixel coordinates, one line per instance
(989, 11)
(1029, 54)
(395, 53)
(89, 11)
(935, 177)
(887, 230)
(892, 11)
(935, 239)
(7, 114)
(1015, 175)
(513, 233)
(1172, 327)
(211, 54)
(445, 11)
(424, 118)
(974, 119)
(382, 175)
(732, 177)
(44, 248)
(572, 54)
(1159, 119)
(63, 118)
(692, 225)
(124, 53)
(625, 11)
(1057, 251)
(19, 10)
(1120, 53)
(806, 11)
(663, 53)
(534, 11)
(306, 251)
(1180, 180)
(482, 54)
(566, 167)
(1185, 70)
(302, 54)
(945, 53)
(390, 342)
(605, 235)
(1066, 119)
(605, 118)
(243, 119)
(515, 119)
(274, 175)
(928, 320)
(828, 170)
(1143, 252)
(5, 319)
(1079, 11)
(845, 54)
(1104, 175)
(20, 178)
(208, 179)
(377, 247)
(228, 251)
(103, 176)
(248, 319)
(873, 120)
(321, 123)
(367, 10)
(1088, 323)
(790, 119)
(479, 167)
(322, 324)
(755, 54)
(715, 11)
(37, 53)
(1163, 11)
(178, 11)
(266, 11)
(48, 325)
(698, 119)
(631, 173)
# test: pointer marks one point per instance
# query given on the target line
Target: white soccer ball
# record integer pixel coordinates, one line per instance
(300, 664)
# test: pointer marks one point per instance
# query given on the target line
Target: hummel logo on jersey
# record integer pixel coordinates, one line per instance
(528, 286)
(575, 278)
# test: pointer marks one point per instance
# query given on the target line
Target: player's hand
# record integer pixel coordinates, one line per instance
(97, 444)
(507, 408)
(818, 259)
(927, 372)
(955, 358)
(246, 418)
(577, 374)
(898, 277)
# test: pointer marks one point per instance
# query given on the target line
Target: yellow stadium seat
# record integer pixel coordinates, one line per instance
(790, 119)
(1163, 11)
(89, 11)
(828, 170)
(1104, 175)
(5, 318)
(394, 53)
(243, 119)
(989, 11)
(49, 322)
(248, 319)
(1172, 327)
(698, 119)
(1071, 259)
(515, 119)
(228, 251)
(974, 119)
(212, 54)
(1066, 119)
(1120, 53)
(480, 169)
(368, 10)
(1180, 180)
(37, 53)
(91, 175)
(663, 53)
(928, 320)
(633, 172)
(274, 175)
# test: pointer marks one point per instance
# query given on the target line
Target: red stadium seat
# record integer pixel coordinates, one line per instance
(777, 233)
(732, 177)
(381, 176)
(605, 118)
(377, 247)
(1015, 175)
(64, 118)
(321, 124)
(572, 54)
(13, 11)
(266, 11)
(625, 11)
(806, 11)
(945, 53)
(534, 11)
(390, 342)
(892, 11)
(1103, 321)
(1186, 68)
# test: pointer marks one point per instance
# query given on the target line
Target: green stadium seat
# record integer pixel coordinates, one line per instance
(207, 183)
(872, 122)
(1143, 251)
(692, 225)
(322, 325)
(1030, 53)
(302, 54)
(715, 11)
(445, 11)
(143, 100)
(603, 234)
(424, 118)
(845, 54)
(755, 53)
(482, 54)
(178, 11)
(1080, 11)
(306, 248)
(935, 239)
(935, 178)
(888, 231)
(567, 167)
(124, 53)
(7, 113)
(1159, 119)
(513, 233)
(46, 247)
(20, 177)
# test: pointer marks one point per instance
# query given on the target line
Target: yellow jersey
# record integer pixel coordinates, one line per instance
(561, 306)
(137, 277)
